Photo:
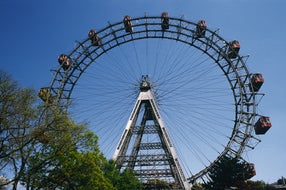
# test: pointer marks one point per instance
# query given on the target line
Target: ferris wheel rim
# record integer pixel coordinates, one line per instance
(84, 54)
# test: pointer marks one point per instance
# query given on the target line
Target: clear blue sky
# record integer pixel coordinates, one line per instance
(35, 32)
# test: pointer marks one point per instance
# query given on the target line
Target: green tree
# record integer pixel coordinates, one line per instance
(228, 172)
(128, 180)
(121, 180)
(68, 158)
(281, 181)
(18, 114)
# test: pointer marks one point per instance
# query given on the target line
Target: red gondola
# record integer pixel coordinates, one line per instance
(201, 28)
(127, 24)
(64, 61)
(262, 125)
(233, 49)
(165, 21)
(256, 82)
(95, 40)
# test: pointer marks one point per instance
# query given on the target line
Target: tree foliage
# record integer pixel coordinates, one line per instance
(121, 180)
(18, 115)
(281, 181)
(228, 172)
(46, 149)
(68, 158)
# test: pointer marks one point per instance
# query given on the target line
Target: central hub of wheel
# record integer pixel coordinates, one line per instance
(145, 83)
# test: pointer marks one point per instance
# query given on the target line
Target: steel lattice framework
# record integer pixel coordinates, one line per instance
(183, 31)
(150, 163)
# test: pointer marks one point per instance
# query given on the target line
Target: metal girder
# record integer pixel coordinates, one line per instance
(143, 158)
(148, 129)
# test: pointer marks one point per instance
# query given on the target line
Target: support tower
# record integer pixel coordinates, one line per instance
(146, 147)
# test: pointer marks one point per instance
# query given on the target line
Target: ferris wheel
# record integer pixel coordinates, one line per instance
(163, 94)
